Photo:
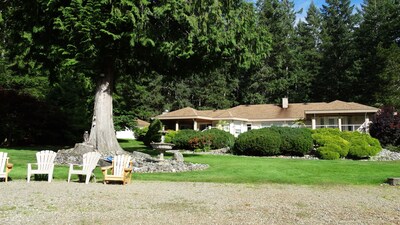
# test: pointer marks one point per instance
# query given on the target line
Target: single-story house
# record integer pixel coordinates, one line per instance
(348, 116)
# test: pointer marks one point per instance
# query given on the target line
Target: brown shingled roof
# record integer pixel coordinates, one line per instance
(269, 111)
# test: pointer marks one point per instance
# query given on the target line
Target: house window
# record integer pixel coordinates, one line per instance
(331, 122)
(322, 122)
(248, 127)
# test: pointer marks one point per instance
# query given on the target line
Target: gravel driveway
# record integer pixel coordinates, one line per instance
(145, 202)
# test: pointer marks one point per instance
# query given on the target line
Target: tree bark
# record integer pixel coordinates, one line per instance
(102, 133)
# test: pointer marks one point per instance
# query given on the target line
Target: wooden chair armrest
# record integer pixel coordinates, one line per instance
(106, 168)
(10, 166)
(128, 169)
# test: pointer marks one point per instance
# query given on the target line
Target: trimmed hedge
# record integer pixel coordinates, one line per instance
(259, 142)
(182, 137)
(295, 141)
(220, 138)
(209, 139)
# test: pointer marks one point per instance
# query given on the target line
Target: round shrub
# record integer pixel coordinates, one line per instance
(260, 142)
(341, 146)
(361, 145)
(220, 138)
(295, 141)
(182, 138)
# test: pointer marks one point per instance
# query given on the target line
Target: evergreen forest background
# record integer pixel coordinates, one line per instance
(166, 55)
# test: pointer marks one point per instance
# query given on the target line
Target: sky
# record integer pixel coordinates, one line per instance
(298, 4)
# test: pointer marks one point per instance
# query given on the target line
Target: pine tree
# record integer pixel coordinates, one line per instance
(276, 78)
(337, 78)
(309, 43)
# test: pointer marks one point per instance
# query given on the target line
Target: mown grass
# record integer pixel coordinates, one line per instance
(241, 169)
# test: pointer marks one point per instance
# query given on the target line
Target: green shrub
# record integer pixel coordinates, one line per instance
(140, 133)
(169, 136)
(324, 139)
(153, 134)
(260, 142)
(295, 141)
(220, 138)
(328, 152)
(182, 138)
(361, 145)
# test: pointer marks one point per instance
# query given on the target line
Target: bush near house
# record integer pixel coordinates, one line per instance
(182, 137)
(220, 138)
(260, 142)
(333, 144)
(361, 145)
(329, 140)
(274, 141)
(386, 126)
(295, 141)
(210, 139)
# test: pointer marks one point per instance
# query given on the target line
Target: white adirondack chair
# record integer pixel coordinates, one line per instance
(45, 164)
(121, 169)
(5, 167)
(89, 162)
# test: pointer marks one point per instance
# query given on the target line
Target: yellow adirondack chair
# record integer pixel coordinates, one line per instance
(45, 164)
(120, 170)
(5, 167)
(89, 163)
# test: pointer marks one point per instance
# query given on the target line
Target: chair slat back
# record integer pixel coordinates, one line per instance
(3, 160)
(90, 161)
(120, 162)
(45, 159)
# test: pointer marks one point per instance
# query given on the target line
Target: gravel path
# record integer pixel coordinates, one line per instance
(144, 202)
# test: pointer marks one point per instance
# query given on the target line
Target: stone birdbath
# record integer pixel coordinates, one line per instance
(161, 147)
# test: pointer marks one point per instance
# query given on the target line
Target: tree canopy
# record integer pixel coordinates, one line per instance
(92, 61)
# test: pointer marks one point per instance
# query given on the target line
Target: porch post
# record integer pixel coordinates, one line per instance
(176, 126)
(194, 125)
(313, 123)
(340, 123)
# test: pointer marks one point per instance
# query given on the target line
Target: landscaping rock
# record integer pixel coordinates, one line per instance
(178, 157)
(73, 155)
(386, 155)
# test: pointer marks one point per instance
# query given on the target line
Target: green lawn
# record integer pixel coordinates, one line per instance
(240, 169)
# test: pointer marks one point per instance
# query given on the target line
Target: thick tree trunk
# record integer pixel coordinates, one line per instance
(102, 133)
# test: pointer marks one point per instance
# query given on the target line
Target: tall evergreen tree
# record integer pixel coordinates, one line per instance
(309, 55)
(337, 77)
(277, 77)
(377, 38)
